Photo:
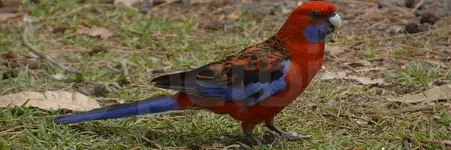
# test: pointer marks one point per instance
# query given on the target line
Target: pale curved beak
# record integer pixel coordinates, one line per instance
(334, 25)
(335, 20)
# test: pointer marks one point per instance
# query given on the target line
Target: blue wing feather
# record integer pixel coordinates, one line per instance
(229, 93)
(253, 75)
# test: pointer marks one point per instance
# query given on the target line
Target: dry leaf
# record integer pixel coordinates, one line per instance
(333, 75)
(101, 32)
(50, 100)
(334, 49)
(360, 63)
(433, 94)
(217, 145)
(12, 3)
(127, 3)
(447, 106)
(59, 76)
(6, 16)
(235, 15)
(342, 75)
(367, 81)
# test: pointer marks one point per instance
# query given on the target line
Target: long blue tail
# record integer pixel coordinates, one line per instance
(147, 106)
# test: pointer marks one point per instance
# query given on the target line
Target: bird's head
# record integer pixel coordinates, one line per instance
(311, 23)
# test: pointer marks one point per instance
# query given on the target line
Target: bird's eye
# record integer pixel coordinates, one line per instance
(333, 14)
(315, 15)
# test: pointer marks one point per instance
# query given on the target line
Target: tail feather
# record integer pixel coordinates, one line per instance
(147, 106)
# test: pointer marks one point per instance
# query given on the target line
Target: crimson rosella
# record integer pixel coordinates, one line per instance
(252, 86)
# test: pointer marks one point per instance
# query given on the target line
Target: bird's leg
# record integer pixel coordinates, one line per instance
(285, 135)
(248, 129)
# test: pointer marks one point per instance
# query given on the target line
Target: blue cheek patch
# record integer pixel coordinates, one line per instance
(316, 33)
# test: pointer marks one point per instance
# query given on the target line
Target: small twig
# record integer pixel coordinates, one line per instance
(418, 6)
(446, 143)
(409, 109)
(167, 3)
(136, 148)
(376, 24)
(447, 74)
(365, 14)
(11, 129)
(231, 146)
(39, 53)
(349, 67)
(8, 89)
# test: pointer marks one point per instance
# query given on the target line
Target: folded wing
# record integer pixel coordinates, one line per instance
(252, 75)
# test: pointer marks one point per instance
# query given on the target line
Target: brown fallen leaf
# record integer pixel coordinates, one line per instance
(11, 3)
(6, 16)
(359, 63)
(342, 75)
(433, 94)
(101, 32)
(127, 3)
(333, 75)
(334, 49)
(216, 145)
(50, 100)
(367, 81)
(447, 106)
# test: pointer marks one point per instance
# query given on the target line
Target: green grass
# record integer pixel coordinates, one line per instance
(418, 75)
(338, 115)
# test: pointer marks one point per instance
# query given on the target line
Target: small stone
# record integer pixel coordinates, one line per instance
(162, 70)
(424, 27)
(145, 7)
(419, 13)
(275, 10)
(385, 4)
(83, 91)
(387, 43)
(186, 3)
(58, 29)
(98, 49)
(396, 30)
(381, 27)
(409, 3)
(412, 28)
(98, 10)
(429, 17)
(34, 64)
(100, 90)
(158, 2)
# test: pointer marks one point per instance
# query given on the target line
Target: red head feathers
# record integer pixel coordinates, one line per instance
(310, 22)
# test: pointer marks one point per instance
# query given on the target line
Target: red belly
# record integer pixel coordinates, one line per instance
(296, 83)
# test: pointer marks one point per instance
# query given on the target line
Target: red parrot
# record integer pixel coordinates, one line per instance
(252, 86)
